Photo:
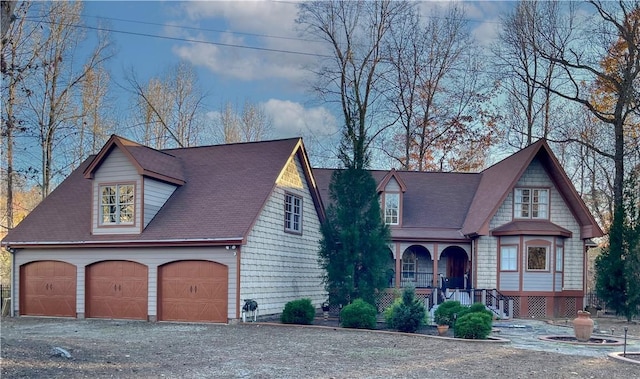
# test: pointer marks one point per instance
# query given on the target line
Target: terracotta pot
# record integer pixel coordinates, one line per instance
(583, 326)
(442, 329)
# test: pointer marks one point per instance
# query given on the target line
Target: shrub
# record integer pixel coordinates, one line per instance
(410, 314)
(298, 312)
(390, 310)
(474, 325)
(359, 314)
(475, 307)
(445, 313)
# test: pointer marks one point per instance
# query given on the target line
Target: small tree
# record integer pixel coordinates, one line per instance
(409, 315)
(353, 248)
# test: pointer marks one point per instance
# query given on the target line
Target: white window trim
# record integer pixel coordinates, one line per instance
(518, 204)
(118, 205)
(512, 263)
(388, 218)
(559, 258)
(292, 213)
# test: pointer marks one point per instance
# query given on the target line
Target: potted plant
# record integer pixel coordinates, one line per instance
(445, 315)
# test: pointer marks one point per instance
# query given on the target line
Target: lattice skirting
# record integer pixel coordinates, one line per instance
(537, 306)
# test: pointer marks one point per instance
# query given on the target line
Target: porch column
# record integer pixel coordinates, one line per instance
(436, 259)
(398, 266)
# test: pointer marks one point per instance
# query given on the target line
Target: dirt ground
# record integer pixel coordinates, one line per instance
(130, 349)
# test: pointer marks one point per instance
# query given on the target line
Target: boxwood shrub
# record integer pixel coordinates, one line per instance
(298, 312)
(474, 325)
(359, 314)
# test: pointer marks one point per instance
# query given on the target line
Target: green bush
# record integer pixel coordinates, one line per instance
(446, 312)
(298, 312)
(359, 314)
(474, 325)
(410, 314)
(475, 307)
(390, 310)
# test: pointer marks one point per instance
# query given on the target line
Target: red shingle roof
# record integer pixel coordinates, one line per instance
(225, 188)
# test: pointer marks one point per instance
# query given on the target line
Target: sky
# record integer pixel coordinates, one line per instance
(246, 51)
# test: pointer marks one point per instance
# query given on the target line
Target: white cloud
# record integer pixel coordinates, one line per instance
(258, 24)
(291, 119)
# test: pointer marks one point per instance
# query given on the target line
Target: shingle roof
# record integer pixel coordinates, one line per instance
(226, 186)
(460, 205)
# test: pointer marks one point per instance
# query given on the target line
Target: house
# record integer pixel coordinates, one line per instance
(180, 234)
(516, 232)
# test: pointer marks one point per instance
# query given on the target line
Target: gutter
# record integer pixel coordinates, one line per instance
(124, 243)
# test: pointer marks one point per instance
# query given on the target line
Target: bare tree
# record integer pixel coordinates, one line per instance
(6, 16)
(251, 123)
(438, 94)
(521, 67)
(612, 25)
(354, 32)
(169, 111)
(51, 98)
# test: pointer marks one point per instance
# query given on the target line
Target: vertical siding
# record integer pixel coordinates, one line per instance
(156, 193)
(535, 176)
(150, 257)
(277, 267)
(116, 168)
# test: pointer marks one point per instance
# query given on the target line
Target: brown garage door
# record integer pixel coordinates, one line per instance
(193, 291)
(117, 289)
(48, 288)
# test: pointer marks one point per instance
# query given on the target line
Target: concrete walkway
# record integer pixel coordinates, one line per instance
(524, 334)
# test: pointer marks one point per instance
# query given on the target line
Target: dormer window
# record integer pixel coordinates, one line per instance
(531, 203)
(117, 204)
(392, 208)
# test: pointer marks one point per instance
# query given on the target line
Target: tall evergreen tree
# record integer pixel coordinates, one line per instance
(618, 266)
(353, 250)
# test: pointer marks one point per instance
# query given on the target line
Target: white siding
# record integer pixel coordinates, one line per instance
(150, 257)
(392, 186)
(277, 267)
(156, 193)
(116, 168)
(535, 176)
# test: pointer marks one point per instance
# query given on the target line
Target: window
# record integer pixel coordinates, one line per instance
(117, 204)
(508, 258)
(559, 257)
(292, 213)
(409, 265)
(531, 203)
(391, 208)
(537, 258)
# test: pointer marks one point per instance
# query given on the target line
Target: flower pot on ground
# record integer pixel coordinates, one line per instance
(442, 329)
(583, 326)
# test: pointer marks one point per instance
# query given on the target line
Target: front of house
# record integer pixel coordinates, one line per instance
(189, 234)
(173, 235)
(517, 231)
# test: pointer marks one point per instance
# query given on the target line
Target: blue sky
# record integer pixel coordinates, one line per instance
(276, 80)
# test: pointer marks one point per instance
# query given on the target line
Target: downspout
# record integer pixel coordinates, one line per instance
(13, 284)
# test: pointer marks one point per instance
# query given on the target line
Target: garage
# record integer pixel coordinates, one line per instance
(193, 291)
(48, 288)
(116, 289)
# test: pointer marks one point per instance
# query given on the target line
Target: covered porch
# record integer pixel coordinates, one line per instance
(420, 266)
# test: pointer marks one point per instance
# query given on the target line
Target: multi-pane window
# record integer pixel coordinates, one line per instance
(559, 257)
(409, 265)
(117, 203)
(508, 258)
(391, 208)
(531, 203)
(292, 213)
(537, 258)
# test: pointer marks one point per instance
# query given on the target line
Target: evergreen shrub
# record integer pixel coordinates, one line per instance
(298, 312)
(474, 325)
(446, 312)
(359, 314)
(410, 314)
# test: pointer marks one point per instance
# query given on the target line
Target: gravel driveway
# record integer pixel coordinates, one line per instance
(122, 349)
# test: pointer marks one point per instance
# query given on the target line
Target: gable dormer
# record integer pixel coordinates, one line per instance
(391, 190)
(130, 183)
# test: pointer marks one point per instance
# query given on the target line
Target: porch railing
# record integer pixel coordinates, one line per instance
(417, 280)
